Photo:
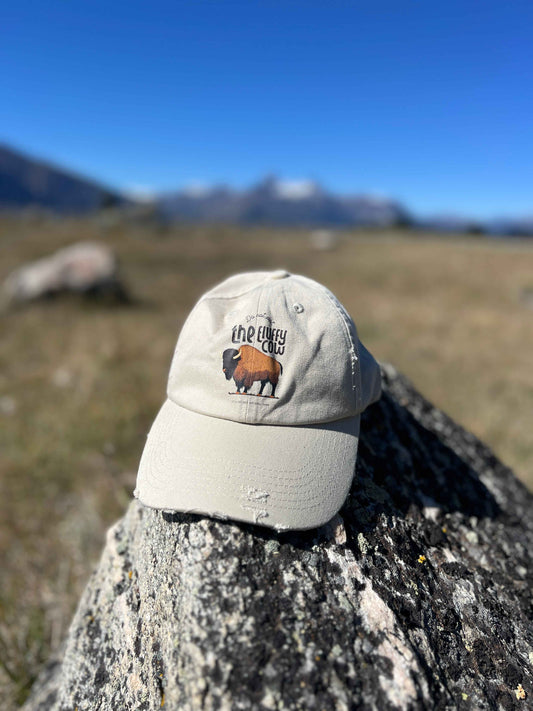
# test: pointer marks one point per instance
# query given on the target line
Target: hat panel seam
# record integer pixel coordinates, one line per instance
(351, 346)
(293, 294)
(346, 330)
(253, 358)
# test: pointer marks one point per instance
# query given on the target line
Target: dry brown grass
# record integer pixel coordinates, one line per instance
(87, 380)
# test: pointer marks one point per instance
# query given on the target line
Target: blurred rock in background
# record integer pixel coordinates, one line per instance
(323, 240)
(86, 268)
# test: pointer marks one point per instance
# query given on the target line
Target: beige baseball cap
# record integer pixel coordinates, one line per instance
(265, 392)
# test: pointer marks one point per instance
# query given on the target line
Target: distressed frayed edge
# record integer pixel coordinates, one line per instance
(258, 514)
(281, 527)
(252, 494)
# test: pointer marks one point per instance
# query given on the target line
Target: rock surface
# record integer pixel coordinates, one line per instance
(87, 268)
(416, 596)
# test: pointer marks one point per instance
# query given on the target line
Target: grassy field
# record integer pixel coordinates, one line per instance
(80, 384)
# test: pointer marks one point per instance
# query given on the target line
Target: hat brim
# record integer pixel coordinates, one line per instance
(276, 476)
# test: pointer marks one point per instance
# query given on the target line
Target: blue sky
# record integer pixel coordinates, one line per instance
(428, 102)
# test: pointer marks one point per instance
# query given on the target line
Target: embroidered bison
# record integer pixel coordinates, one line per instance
(247, 365)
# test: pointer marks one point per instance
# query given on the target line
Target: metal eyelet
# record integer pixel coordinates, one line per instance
(298, 308)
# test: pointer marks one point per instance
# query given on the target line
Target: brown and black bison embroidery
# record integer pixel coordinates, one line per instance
(248, 365)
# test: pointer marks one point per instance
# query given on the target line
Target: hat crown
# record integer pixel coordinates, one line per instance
(272, 348)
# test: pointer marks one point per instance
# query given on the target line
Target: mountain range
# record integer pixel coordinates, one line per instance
(276, 202)
(26, 182)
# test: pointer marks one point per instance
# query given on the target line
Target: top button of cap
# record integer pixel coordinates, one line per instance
(279, 274)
